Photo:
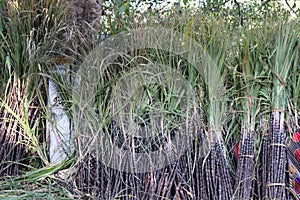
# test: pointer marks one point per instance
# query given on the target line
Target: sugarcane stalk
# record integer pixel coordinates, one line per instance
(276, 185)
(245, 165)
(226, 177)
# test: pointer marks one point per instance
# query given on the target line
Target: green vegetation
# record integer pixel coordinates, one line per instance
(254, 45)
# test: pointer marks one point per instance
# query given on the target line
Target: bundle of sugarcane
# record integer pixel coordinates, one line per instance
(173, 181)
(216, 165)
(216, 170)
(254, 77)
(12, 145)
(198, 150)
(253, 83)
(281, 61)
(216, 175)
(17, 117)
(293, 153)
(245, 168)
(29, 31)
(95, 179)
(293, 122)
(189, 178)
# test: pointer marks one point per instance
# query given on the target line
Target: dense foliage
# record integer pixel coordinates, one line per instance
(255, 46)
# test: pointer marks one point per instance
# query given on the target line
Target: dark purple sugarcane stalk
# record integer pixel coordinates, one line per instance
(218, 180)
(211, 175)
(276, 179)
(245, 165)
(227, 182)
(265, 155)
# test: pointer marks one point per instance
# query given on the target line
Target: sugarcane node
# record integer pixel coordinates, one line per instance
(278, 144)
(277, 109)
(280, 84)
(275, 184)
(216, 130)
(251, 97)
(247, 156)
(233, 112)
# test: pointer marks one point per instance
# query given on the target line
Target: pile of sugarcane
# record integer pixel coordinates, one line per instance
(246, 157)
(238, 150)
